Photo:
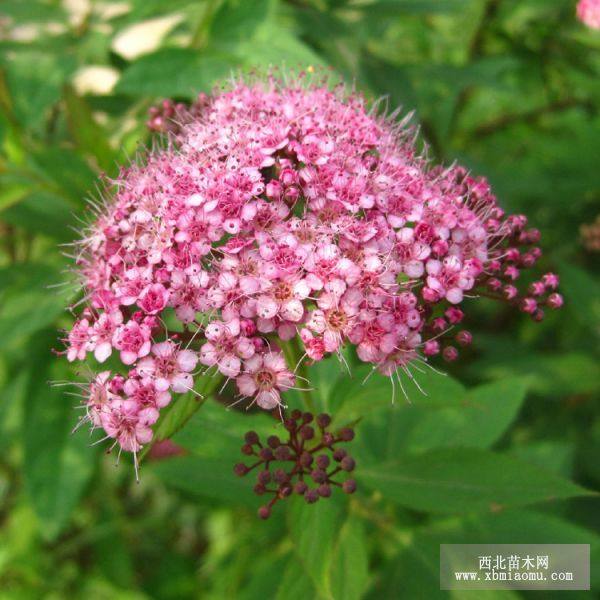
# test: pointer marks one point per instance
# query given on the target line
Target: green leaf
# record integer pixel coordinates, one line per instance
(176, 72)
(42, 212)
(414, 571)
(582, 293)
(275, 46)
(27, 303)
(550, 375)
(461, 480)
(295, 584)
(478, 420)
(350, 564)
(34, 80)
(181, 410)
(13, 193)
(66, 170)
(313, 530)
(57, 464)
(238, 20)
(217, 431)
(206, 478)
(89, 136)
(365, 391)
(418, 6)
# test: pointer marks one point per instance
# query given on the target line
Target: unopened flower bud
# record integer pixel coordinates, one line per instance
(464, 338)
(322, 461)
(264, 512)
(323, 420)
(339, 454)
(311, 496)
(349, 486)
(251, 437)
(324, 490)
(450, 353)
(300, 488)
(273, 441)
(240, 469)
(282, 453)
(307, 432)
(346, 434)
(319, 476)
(555, 301)
(348, 464)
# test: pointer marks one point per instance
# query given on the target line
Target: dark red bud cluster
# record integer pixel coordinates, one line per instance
(168, 116)
(304, 464)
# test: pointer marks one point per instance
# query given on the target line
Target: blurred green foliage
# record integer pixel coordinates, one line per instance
(508, 87)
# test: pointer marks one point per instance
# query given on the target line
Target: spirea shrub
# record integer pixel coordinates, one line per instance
(284, 214)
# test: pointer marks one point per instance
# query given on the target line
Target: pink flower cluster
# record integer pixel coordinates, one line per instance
(280, 212)
(588, 12)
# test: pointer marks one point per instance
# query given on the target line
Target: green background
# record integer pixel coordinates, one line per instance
(504, 449)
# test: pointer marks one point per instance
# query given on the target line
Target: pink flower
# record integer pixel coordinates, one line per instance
(153, 299)
(99, 397)
(133, 340)
(278, 210)
(128, 423)
(79, 340)
(264, 377)
(103, 334)
(169, 367)
(145, 393)
(588, 12)
(225, 347)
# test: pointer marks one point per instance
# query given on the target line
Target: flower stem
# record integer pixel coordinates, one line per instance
(294, 357)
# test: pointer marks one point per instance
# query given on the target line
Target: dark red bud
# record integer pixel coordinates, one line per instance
(264, 512)
(339, 454)
(319, 476)
(306, 459)
(240, 469)
(273, 441)
(307, 432)
(264, 477)
(349, 486)
(266, 454)
(347, 434)
(300, 488)
(324, 490)
(251, 438)
(348, 464)
(323, 420)
(311, 496)
(328, 438)
(283, 453)
(322, 461)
